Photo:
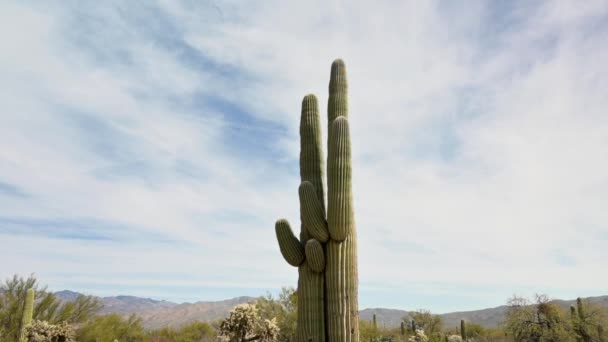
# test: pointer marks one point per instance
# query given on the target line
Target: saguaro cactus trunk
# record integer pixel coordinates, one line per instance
(463, 331)
(326, 253)
(28, 312)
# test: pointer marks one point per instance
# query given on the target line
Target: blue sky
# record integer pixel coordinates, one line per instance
(146, 148)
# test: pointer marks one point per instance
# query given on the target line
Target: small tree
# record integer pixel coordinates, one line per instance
(284, 309)
(425, 320)
(588, 321)
(536, 322)
(244, 324)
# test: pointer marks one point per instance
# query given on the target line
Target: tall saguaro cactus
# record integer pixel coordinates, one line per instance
(326, 253)
(28, 312)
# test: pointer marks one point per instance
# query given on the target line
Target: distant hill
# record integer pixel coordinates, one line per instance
(489, 318)
(158, 314)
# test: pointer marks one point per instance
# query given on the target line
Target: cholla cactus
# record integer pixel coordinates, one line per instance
(42, 331)
(420, 336)
(455, 338)
(245, 324)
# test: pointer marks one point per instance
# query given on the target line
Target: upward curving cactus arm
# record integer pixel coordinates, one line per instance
(313, 217)
(314, 255)
(340, 218)
(290, 246)
(312, 167)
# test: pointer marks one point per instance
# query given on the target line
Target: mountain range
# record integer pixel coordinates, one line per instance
(159, 313)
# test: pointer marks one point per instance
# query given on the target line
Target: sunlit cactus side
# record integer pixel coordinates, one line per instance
(28, 313)
(326, 253)
(463, 331)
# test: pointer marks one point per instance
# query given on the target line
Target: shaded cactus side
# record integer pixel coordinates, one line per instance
(463, 332)
(402, 328)
(28, 313)
(326, 253)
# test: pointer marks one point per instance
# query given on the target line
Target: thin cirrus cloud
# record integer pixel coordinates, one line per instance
(147, 149)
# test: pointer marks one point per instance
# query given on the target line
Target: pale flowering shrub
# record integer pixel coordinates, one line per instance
(42, 331)
(420, 336)
(244, 324)
(455, 338)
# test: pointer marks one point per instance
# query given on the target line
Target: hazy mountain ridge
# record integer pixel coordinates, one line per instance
(158, 313)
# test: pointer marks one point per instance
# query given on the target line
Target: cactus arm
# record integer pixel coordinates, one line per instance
(312, 166)
(340, 211)
(313, 217)
(290, 246)
(315, 255)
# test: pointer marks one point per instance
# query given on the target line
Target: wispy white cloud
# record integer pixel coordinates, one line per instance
(478, 137)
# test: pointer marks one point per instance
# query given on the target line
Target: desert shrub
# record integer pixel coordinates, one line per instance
(284, 309)
(191, 332)
(539, 321)
(111, 327)
(419, 336)
(42, 331)
(47, 306)
(244, 324)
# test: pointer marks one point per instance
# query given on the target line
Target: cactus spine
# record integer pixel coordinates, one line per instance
(463, 331)
(28, 312)
(326, 253)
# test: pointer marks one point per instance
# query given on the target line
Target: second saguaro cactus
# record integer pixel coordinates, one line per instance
(326, 252)
(28, 312)
(463, 331)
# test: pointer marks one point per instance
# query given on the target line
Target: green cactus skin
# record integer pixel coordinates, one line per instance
(315, 256)
(28, 312)
(327, 253)
(402, 328)
(413, 326)
(291, 248)
(572, 312)
(463, 331)
(580, 308)
(341, 273)
(374, 322)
